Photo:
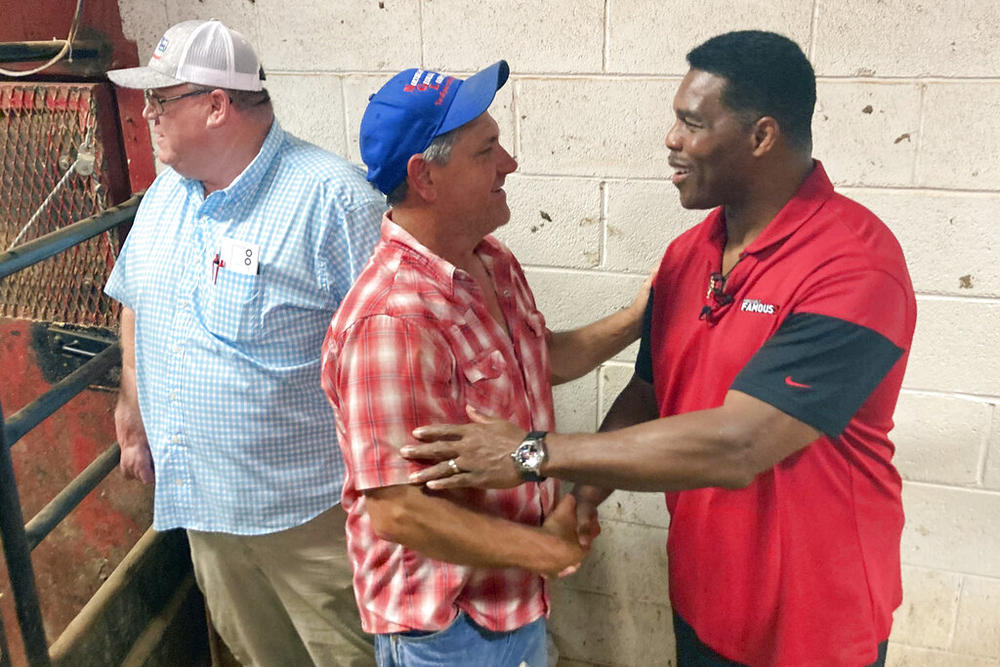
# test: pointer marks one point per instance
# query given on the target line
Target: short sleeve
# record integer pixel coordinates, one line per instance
(117, 286)
(832, 351)
(391, 374)
(350, 234)
(644, 358)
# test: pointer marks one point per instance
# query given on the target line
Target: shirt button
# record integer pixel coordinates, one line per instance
(176, 439)
(173, 396)
(506, 293)
(177, 349)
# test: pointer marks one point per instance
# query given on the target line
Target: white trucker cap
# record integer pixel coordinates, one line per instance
(206, 53)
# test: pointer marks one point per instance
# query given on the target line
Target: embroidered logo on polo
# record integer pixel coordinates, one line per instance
(792, 383)
(758, 306)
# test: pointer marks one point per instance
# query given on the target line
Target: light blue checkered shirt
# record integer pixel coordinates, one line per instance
(228, 364)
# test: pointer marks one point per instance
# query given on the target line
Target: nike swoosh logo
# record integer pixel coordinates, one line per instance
(792, 383)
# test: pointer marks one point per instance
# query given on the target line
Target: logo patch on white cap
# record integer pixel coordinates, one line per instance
(161, 47)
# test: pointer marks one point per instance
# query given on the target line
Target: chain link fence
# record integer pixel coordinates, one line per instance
(52, 173)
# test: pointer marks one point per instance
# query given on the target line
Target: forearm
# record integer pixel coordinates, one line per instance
(128, 395)
(440, 528)
(635, 404)
(575, 353)
(725, 446)
(136, 459)
(664, 455)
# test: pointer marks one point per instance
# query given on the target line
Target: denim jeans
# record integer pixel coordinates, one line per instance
(464, 643)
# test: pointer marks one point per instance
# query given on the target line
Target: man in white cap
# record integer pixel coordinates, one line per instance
(240, 253)
(443, 318)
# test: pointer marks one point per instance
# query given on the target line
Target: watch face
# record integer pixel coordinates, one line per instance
(529, 455)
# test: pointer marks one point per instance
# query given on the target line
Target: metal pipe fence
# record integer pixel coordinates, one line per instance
(20, 539)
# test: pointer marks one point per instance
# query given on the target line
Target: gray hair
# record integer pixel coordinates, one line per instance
(439, 152)
(241, 99)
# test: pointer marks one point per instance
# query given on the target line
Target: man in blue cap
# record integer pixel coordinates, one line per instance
(442, 318)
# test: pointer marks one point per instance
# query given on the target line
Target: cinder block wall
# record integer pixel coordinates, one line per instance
(907, 123)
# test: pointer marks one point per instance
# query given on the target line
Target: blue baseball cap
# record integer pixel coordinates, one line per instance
(415, 106)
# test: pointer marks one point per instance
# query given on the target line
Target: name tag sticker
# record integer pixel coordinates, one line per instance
(240, 256)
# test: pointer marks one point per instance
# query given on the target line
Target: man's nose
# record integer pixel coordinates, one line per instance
(672, 140)
(508, 164)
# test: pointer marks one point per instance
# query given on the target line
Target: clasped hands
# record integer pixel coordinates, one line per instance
(480, 452)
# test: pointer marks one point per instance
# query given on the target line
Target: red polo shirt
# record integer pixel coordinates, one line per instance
(816, 318)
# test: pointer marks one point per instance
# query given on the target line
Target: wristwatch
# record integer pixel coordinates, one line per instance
(530, 455)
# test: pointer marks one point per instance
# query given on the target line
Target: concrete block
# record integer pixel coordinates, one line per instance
(563, 662)
(855, 38)
(628, 561)
(951, 529)
(240, 16)
(595, 127)
(643, 218)
(294, 97)
(992, 476)
(613, 378)
(144, 23)
(940, 439)
(866, 133)
(576, 405)
(645, 36)
(958, 148)
(608, 630)
(573, 298)
(559, 37)
(978, 630)
(900, 655)
(319, 35)
(948, 238)
(930, 603)
(954, 347)
(647, 509)
(358, 88)
(554, 221)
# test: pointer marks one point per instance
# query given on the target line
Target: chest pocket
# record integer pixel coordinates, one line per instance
(230, 308)
(488, 383)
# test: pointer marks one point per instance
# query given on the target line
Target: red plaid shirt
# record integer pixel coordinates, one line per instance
(413, 343)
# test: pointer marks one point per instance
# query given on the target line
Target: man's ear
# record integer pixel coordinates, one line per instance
(221, 109)
(420, 178)
(766, 133)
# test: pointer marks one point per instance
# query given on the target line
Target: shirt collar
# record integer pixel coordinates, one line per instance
(440, 269)
(809, 198)
(247, 181)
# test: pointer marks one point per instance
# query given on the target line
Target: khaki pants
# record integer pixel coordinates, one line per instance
(284, 598)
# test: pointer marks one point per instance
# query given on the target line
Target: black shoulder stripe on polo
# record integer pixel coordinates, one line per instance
(644, 358)
(818, 369)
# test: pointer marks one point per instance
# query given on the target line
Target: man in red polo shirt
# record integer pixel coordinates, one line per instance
(441, 318)
(771, 361)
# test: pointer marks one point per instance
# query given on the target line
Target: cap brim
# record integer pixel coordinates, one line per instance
(142, 77)
(475, 96)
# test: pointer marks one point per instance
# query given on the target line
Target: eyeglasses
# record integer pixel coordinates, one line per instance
(155, 103)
